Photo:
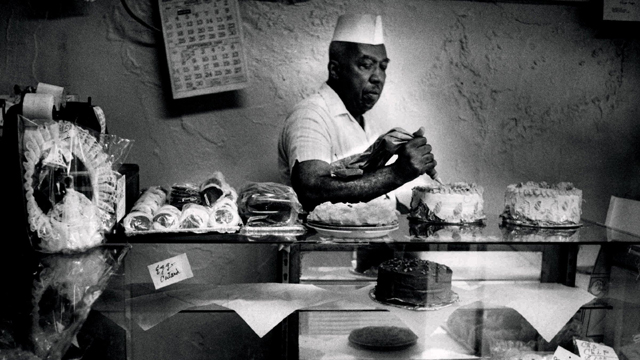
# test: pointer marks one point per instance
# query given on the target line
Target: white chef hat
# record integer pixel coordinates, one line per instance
(359, 28)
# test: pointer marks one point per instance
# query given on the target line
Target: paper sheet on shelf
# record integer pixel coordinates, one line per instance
(422, 323)
(548, 307)
(261, 306)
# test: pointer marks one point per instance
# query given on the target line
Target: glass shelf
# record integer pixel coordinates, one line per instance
(491, 231)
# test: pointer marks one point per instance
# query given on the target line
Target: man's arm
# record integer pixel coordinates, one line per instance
(314, 185)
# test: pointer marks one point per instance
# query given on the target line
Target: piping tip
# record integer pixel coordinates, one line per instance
(437, 178)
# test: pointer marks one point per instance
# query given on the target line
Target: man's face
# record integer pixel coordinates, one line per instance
(362, 77)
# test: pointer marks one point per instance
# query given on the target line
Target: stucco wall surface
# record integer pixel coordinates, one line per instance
(507, 92)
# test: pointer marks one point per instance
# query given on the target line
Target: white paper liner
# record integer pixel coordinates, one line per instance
(547, 306)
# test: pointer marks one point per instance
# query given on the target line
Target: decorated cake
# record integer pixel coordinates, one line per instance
(380, 211)
(542, 204)
(413, 282)
(450, 203)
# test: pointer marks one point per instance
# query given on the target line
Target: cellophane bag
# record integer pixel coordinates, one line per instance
(70, 182)
(376, 156)
(65, 286)
(268, 204)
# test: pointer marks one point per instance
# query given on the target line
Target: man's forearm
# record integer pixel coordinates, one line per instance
(316, 187)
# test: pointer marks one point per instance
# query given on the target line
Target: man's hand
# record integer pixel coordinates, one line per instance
(414, 159)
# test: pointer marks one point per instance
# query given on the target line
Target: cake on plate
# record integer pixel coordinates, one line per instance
(414, 282)
(542, 204)
(453, 203)
(377, 212)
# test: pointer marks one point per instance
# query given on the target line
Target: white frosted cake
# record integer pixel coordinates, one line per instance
(542, 204)
(379, 211)
(454, 203)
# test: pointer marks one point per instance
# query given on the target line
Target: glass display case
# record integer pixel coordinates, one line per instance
(539, 262)
(521, 292)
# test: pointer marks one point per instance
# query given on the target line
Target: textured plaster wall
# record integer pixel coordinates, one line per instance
(507, 92)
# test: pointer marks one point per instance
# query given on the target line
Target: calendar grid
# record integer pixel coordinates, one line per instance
(203, 41)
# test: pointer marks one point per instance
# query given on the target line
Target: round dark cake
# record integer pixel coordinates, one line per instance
(413, 281)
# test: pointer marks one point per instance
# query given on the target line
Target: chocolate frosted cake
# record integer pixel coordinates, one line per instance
(413, 282)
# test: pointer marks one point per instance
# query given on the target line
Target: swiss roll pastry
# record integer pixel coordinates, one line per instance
(167, 217)
(216, 188)
(194, 216)
(150, 200)
(137, 221)
(224, 214)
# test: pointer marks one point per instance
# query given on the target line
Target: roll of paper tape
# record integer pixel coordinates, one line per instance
(38, 106)
(56, 91)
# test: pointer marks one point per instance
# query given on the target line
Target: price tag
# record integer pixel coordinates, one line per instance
(593, 351)
(564, 354)
(170, 271)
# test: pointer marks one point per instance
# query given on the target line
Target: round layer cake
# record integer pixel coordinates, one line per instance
(414, 282)
(450, 203)
(542, 204)
(379, 211)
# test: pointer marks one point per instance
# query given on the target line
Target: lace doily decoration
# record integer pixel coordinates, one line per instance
(61, 229)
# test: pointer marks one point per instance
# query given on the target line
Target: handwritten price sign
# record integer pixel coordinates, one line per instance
(170, 271)
(593, 351)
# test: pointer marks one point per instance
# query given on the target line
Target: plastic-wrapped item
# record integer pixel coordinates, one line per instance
(376, 156)
(223, 214)
(70, 183)
(268, 204)
(64, 289)
(215, 189)
(144, 209)
(194, 216)
(150, 200)
(208, 207)
(166, 218)
(137, 221)
(183, 194)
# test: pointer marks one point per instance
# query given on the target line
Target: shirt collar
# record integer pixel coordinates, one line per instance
(336, 106)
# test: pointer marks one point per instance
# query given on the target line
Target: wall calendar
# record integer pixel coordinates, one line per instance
(204, 46)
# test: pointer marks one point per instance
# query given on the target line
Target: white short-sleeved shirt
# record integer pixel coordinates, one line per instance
(321, 128)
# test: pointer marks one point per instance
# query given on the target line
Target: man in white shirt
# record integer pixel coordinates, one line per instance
(330, 124)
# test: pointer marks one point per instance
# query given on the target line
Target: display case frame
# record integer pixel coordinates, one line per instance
(559, 252)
